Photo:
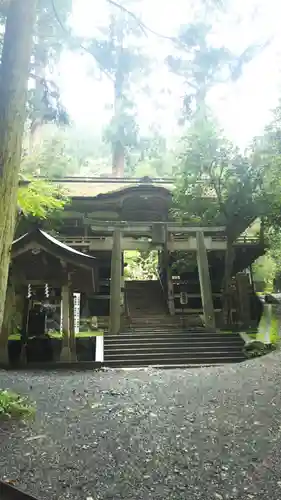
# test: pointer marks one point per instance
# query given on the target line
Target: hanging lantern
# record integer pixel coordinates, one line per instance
(29, 291)
(183, 298)
(47, 294)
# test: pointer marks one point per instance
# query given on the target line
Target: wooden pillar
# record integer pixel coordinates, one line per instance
(205, 281)
(24, 325)
(123, 307)
(65, 354)
(168, 273)
(72, 341)
(115, 284)
(171, 299)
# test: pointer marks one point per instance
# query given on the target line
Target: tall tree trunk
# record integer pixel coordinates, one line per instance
(118, 150)
(7, 323)
(13, 93)
(228, 269)
(118, 160)
(37, 124)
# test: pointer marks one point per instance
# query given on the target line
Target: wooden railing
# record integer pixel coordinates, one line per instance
(81, 241)
(245, 239)
(248, 239)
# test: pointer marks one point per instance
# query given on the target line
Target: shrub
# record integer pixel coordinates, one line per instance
(13, 405)
(256, 348)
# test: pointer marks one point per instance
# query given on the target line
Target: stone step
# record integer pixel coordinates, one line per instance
(141, 284)
(161, 316)
(158, 317)
(144, 290)
(141, 312)
(200, 336)
(160, 324)
(168, 353)
(111, 345)
(172, 329)
(191, 362)
(173, 345)
(136, 353)
(165, 344)
(170, 344)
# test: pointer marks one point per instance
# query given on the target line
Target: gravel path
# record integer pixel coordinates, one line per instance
(210, 433)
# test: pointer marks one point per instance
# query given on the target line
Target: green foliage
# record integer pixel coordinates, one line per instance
(141, 265)
(199, 64)
(67, 152)
(123, 128)
(202, 64)
(151, 157)
(215, 184)
(44, 97)
(14, 406)
(44, 101)
(50, 158)
(265, 151)
(264, 271)
(118, 55)
(41, 199)
(256, 349)
(268, 267)
(184, 262)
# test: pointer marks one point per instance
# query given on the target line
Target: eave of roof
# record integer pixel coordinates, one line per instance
(102, 188)
(54, 246)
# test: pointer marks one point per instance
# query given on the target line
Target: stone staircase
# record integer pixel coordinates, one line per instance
(145, 298)
(151, 337)
(147, 306)
(171, 347)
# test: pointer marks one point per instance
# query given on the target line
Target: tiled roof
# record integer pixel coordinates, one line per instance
(92, 187)
(49, 243)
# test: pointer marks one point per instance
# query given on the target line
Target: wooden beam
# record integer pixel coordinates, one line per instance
(190, 244)
(144, 228)
(65, 348)
(72, 341)
(130, 243)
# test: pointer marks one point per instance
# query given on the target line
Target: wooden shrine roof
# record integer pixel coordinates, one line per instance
(96, 187)
(51, 245)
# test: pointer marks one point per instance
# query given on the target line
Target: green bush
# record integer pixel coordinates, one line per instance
(256, 348)
(13, 405)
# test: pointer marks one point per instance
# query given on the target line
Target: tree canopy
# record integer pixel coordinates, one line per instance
(40, 199)
(216, 184)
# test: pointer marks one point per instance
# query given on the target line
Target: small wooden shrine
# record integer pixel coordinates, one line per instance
(44, 274)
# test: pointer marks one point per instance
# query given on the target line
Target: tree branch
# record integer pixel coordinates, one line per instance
(217, 187)
(69, 34)
(142, 25)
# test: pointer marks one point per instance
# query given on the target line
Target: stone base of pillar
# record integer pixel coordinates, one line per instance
(66, 354)
(73, 357)
(23, 357)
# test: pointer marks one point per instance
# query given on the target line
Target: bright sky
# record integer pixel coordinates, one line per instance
(243, 108)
